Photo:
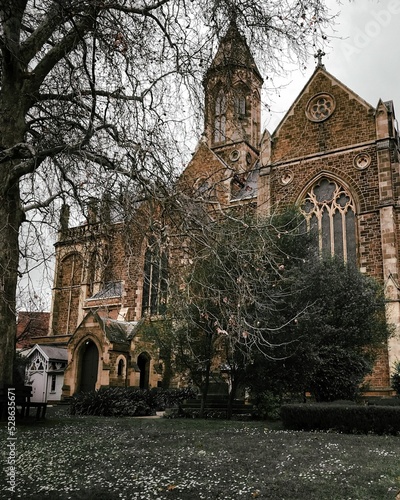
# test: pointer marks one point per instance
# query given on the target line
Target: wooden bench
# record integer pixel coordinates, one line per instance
(218, 404)
(23, 395)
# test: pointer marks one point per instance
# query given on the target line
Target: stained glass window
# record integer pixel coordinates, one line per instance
(329, 211)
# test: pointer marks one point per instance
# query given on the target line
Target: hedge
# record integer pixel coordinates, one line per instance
(352, 419)
(120, 401)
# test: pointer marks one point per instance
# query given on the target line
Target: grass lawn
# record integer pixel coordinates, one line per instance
(133, 458)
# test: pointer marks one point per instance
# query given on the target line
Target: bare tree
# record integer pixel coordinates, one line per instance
(92, 93)
(230, 299)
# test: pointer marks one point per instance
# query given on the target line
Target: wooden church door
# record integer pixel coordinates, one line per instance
(89, 367)
(144, 367)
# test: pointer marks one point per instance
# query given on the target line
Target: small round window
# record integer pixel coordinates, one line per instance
(362, 161)
(320, 107)
(235, 155)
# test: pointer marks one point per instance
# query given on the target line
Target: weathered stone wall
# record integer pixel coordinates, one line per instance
(352, 122)
(356, 146)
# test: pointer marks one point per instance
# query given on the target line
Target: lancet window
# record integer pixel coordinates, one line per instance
(220, 117)
(155, 280)
(330, 212)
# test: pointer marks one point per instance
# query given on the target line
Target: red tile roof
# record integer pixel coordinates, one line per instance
(29, 325)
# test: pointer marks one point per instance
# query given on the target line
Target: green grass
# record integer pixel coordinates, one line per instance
(131, 458)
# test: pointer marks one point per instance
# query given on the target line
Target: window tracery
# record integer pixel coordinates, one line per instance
(330, 212)
(320, 107)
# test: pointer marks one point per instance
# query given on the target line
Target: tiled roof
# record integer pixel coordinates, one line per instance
(31, 324)
(249, 190)
(55, 353)
(111, 289)
(118, 331)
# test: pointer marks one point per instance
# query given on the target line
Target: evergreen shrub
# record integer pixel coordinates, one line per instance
(126, 402)
(267, 405)
(347, 418)
(161, 399)
(396, 378)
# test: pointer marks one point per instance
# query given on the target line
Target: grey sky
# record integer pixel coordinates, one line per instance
(364, 54)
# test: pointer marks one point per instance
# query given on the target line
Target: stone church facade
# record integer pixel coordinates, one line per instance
(333, 154)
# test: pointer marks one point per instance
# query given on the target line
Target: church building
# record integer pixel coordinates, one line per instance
(333, 154)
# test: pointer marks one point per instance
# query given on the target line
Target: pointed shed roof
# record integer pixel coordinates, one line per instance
(50, 353)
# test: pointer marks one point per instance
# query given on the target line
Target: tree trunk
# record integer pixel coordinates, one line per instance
(204, 390)
(206, 381)
(167, 372)
(232, 396)
(13, 106)
(10, 222)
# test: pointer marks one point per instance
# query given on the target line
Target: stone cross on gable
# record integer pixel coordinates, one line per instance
(319, 55)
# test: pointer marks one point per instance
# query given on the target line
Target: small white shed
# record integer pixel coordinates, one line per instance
(45, 372)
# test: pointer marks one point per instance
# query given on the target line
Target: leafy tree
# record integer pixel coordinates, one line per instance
(337, 336)
(91, 102)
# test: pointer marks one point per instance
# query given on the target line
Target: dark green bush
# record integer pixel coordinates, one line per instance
(347, 418)
(170, 398)
(396, 378)
(395, 401)
(267, 405)
(121, 402)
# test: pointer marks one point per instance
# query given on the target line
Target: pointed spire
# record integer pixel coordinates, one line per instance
(233, 50)
(232, 87)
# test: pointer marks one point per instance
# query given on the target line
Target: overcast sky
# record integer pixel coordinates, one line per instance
(364, 55)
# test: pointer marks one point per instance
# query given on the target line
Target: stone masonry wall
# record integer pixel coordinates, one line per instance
(302, 151)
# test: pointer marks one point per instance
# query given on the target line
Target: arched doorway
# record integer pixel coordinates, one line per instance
(143, 362)
(89, 366)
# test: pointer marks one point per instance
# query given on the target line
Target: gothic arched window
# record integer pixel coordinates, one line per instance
(68, 294)
(220, 117)
(240, 104)
(330, 212)
(155, 280)
(120, 368)
(70, 273)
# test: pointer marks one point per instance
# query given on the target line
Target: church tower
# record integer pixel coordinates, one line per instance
(232, 102)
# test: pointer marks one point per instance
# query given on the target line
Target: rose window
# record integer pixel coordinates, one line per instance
(320, 107)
